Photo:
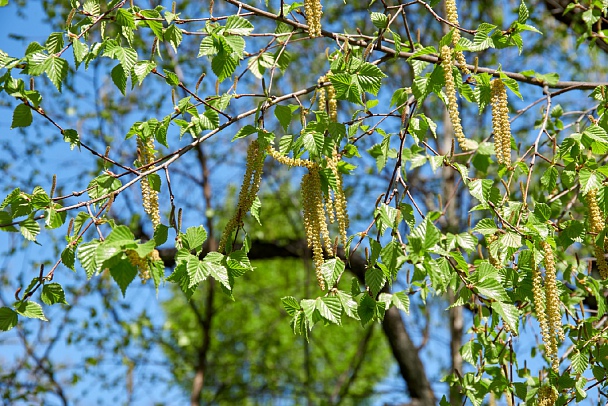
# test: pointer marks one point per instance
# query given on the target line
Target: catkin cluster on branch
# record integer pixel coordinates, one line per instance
(315, 222)
(145, 155)
(328, 103)
(339, 203)
(313, 10)
(452, 17)
(450, 91)
(546, 396)
(547, 305)
(500, 122)
(249, 190)
(596, 226)
(142, 264)
(318, 207)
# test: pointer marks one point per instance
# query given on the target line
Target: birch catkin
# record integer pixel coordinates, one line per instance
(313, 10)
(145, 155)
(450, 91)
(249, 190)
(596, 226)
(500, 122)
(452, 16)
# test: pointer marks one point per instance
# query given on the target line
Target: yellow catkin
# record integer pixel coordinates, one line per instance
(145, 155)
(332, 104)
(596, 226)
(142, 264)
(500, 122)
(315, 222)
(321, 92)
(313, 11)
(540, 307)
(285, 160)
(450, 90)
(554, 317)
(546, 396)
(452, 17)
(249, 190)
(339, 203)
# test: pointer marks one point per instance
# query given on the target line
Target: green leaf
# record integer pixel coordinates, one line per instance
(29, 229)
(375, 280)
(142, 69)
(8, 317)
(509, 314)
(223, 65)
(330, 308)
(283, 114)
(523, 13)
(125, 55)
(120, 235)
(245, 131)
(56, 69)
(119, 78)
(123, 274)
(219, 273)
(314, 142)
(194, 238)
(237, 25)
(580, 361)
(54, 43)
(366, 309)
(589, 180)
(480, 189)
(31, 310)
(53, 219)
(22, 116)
(370, 78)
(171, 78)
(86, 256)
(291, 305)
(173, 34)
(392, 256)
(103, 185)
(53, 293)
(401, 301)
(379, 20)
(197, 272)
(346, 88)
(348, 304)
(487, 283)
(549, 179)
(152, 22)
(124, 18)
(68, 256)
(332, 270)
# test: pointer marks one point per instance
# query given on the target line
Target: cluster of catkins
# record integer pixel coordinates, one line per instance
(546, 304)
(145, 155)
(143, 264)
(313, 10)
(249, 190)
(319, 207)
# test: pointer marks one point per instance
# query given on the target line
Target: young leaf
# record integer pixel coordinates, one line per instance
(30, 309)
(53, 293)
(8, 318)
(22, 116)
